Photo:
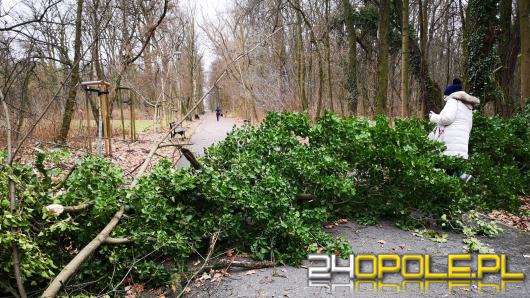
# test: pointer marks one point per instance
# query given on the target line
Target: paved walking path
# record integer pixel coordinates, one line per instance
(208, 132)
(383, 238)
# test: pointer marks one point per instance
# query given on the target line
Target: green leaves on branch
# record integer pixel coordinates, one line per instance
(248, 189)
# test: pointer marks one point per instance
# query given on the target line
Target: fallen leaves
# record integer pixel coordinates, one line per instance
(382, 242)
(520, 222)
(134, 290)
(332, 225)
(250, 272)
(329, 226)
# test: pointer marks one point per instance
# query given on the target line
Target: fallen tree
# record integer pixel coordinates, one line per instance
(266, 192)
(74, 264)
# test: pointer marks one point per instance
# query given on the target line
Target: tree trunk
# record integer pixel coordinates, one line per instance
(382, 68)
(405, 60)
(279, 43)
(480, 58)
(74, 79)
(24, 100)
(425, 105)
(524, 23)
(433, 92)
(328, 59)
(504, 76)
(300, 57)
(351, 72)
(320, 84)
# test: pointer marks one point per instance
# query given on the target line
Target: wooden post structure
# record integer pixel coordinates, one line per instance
(88, 138)
(133, 118)
(120, 96)
(132, 113)
(107, 116)
(101, 88)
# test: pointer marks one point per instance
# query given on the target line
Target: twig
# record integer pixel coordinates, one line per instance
(213, 240)
(13, 202)
(130, 268)
(61, 184)
(10, 289)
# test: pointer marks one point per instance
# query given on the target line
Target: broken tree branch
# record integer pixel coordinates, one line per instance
(13, 202)
(77, 208)
(74, 264)
(191, 158)
(61, 184)
(112, 240)
(245, 264)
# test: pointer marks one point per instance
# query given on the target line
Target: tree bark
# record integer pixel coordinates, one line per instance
(433, 93)
(425, 105)
(480, 59)
(55, 286)
(300, 57)
(524, 23)
(328, 59)
(74, 79)
(382, 68)
(405, 56)
(351, 73)
(502, 106)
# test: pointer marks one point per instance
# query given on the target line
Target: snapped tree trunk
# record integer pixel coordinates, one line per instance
(74, 79)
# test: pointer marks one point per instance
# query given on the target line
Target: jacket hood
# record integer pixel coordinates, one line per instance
(470, 101)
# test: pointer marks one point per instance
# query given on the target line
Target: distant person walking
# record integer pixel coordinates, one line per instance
(218, 113)
(454, 122)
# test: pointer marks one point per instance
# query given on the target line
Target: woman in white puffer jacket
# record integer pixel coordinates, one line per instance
(454, 123)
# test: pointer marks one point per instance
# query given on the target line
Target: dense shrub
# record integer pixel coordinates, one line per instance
(248, 191)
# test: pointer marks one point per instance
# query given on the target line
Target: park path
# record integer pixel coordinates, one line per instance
(207, 133)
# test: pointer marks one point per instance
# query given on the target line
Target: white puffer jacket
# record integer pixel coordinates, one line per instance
(454, 123)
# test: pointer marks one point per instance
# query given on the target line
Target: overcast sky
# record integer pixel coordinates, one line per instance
(207, 11)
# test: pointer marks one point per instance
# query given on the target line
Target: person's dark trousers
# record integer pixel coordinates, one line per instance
(217, 116)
